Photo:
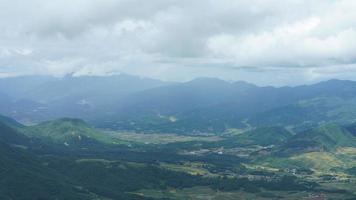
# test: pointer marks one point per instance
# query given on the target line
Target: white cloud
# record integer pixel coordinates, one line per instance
(291, 45)
(180, 39)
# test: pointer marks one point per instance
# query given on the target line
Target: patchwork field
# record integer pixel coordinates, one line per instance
(159, 138)
(204, 193)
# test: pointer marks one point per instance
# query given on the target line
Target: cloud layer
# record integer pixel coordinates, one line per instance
(263, 41)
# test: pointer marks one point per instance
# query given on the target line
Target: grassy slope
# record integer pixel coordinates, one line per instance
(67, 131)
(264, 136)
(328, 149)
(324, 138)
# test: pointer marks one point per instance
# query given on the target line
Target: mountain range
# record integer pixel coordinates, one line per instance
(124, 102)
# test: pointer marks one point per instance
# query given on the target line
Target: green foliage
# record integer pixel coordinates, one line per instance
(67, 131)
(24, 177)
(51, 170)
(264, 136)
(323, 138)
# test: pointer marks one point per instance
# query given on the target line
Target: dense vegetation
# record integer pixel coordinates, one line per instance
(46, 168)
(157, 140)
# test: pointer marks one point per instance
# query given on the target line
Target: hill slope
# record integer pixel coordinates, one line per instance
(324, 138)
(67, 131)
(23, 176)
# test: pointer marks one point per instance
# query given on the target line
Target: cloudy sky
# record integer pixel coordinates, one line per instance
(278, 42)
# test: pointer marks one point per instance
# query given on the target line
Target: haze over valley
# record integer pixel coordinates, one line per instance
(177, 100)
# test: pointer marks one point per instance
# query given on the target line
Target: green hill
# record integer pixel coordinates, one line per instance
(67, 131)
(264, 136)
(261, 136)
(324, 138)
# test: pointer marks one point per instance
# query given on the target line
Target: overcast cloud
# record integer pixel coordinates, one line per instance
(261, 41)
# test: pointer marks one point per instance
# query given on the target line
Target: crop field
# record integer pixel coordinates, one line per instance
(204, 193)
(159, 138)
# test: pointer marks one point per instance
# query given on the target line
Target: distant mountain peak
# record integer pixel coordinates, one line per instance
(207, 79)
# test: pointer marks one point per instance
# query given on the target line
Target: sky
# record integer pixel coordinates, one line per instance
(267, 42)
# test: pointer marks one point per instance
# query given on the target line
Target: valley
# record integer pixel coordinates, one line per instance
(159, 144)
(178, 100)
(112, 165)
